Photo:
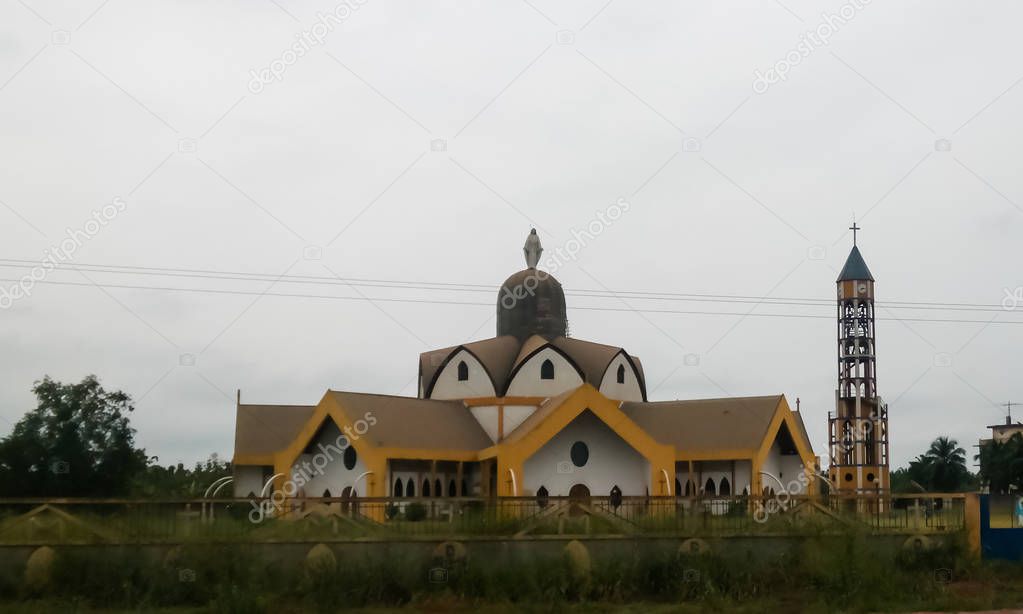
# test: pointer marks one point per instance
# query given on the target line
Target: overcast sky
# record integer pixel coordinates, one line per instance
(420, 141)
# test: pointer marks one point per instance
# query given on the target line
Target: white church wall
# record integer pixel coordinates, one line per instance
(486, 415)
(786, 468)
(447, 385)
(627, 391)
(527, 382)
(716, 471)
(323, 469)
(514, 415)
(791, 467)
(743, 477)
(248, 480)
(612, 462)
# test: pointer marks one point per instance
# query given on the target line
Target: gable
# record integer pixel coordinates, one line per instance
(447, 385)
(526, 379)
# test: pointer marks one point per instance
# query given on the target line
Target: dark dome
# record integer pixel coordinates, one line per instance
(531, 302)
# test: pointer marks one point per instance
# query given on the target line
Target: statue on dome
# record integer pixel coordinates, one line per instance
(532, 249)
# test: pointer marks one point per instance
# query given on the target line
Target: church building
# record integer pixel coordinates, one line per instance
(530, 412)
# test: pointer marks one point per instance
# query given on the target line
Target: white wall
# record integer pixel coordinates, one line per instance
(527, 382)
(787, 468)
(514, 415)
(612, 462)
(248, 479)
(448, 386)
(628, 391)
(716, 470)
(486, 415)
(326, 466)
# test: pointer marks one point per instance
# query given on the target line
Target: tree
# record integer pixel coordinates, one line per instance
(178, 481)
(942, 468)
(77, 442)
(945, 463)
(1001, 464)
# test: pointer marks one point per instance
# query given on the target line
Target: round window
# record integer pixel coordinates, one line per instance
(580, 454)
(848, 477)
(870, 477)
(350, 457)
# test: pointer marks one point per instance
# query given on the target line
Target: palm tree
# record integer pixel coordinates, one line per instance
(945, 462)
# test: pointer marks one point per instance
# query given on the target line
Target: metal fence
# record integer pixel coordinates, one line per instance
(30, 521)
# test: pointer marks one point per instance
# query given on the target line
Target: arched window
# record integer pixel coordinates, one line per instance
(410, 489)
(678, 488)
(542, 496)
(725, 489)
(621, 374)
(399, 489)
(690, 488)
(465, 489)
(547, 370)
(426, 487)
(463, 371)
(438, 490)
(708, 488)
(326, 494)
(452, 489)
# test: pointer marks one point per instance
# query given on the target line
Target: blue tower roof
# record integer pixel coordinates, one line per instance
(855, 268)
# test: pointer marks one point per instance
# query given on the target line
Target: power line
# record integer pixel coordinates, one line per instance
(488, 304)
(481, 288)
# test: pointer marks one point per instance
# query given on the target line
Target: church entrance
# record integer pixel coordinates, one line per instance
(578, 495)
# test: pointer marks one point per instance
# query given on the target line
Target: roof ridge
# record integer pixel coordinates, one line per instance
(395, 396)
(760, 396)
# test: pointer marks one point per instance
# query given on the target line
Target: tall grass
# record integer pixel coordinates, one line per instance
(848, 572)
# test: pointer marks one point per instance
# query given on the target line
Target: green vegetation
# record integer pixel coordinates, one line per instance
(849, 572)
(78, 442)
(942, 468)
(1001, 465)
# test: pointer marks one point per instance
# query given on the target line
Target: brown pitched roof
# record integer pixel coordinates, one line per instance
(706, 424)
(409, 422)
(802, 429)
(592, 358)
(265, 429)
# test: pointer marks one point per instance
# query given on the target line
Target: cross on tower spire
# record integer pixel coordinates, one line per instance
(854, 228)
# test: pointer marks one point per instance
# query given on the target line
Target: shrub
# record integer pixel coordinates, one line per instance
(414, 512)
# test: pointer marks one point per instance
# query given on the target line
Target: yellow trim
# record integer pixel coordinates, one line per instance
(783, 413)
(513, 454)
(481, 401)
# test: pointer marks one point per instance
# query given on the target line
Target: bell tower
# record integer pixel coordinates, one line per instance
(858, 430)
